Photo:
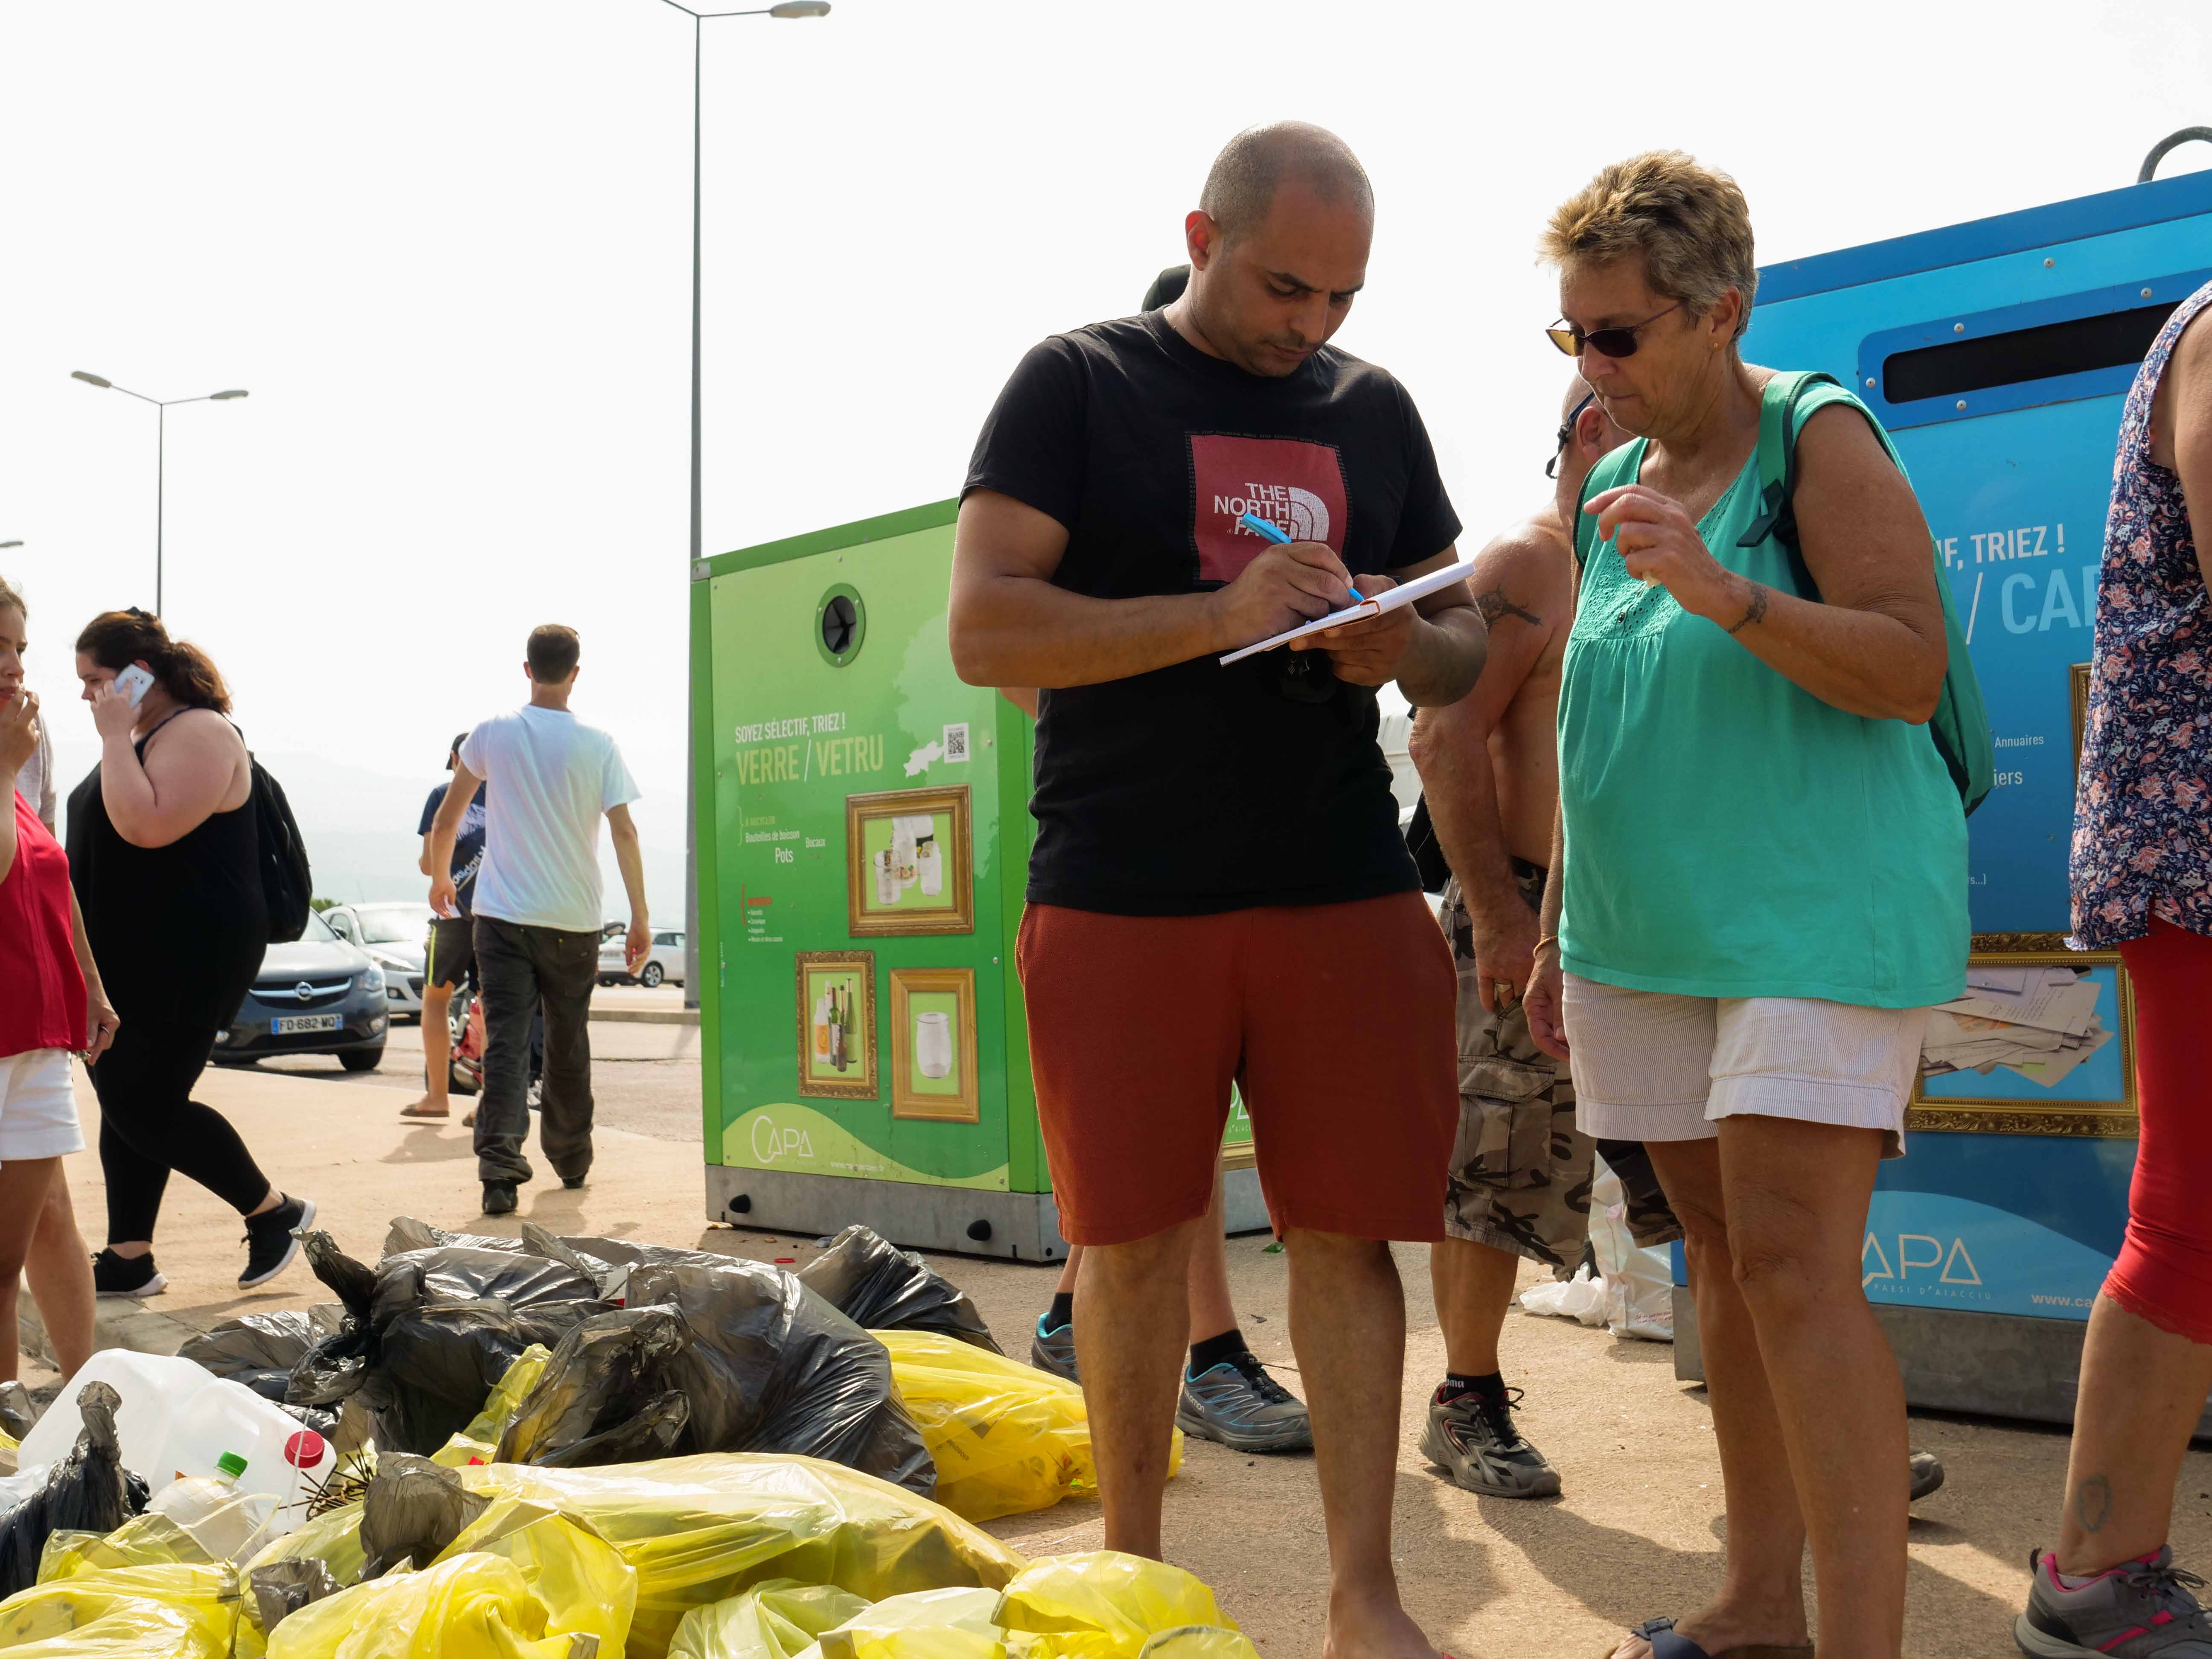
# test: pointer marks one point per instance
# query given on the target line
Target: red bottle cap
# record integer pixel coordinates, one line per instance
(305, 1449)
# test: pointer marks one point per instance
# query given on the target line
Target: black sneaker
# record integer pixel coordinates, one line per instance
(126, 1275)
(1471, 1437)
(270, 1245)
(499, 1198)
(1239, 1405)
(1927, 1474)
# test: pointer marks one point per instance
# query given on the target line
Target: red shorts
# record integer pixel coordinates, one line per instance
(1336, 1020)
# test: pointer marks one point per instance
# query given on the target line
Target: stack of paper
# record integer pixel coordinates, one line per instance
(2038, 1023)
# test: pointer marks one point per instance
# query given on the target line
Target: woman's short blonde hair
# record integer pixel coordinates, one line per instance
(1689, 224)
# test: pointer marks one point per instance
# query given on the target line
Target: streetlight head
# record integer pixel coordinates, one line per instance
(800, 8)
(223, 397)
(92, 380)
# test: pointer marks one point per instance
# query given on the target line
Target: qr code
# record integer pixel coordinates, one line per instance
(956, 742)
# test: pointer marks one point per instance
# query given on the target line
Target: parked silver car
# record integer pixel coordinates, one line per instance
(317, 995)
(664, 962)
(394, 935)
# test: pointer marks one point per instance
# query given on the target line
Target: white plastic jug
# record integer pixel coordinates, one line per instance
(281, 1455)
(152, 1389)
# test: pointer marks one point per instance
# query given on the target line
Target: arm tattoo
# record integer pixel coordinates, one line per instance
(1755, 611)
(2093, 1503)
(1494, 604)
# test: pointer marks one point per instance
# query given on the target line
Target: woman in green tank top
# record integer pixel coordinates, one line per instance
(1761, 884)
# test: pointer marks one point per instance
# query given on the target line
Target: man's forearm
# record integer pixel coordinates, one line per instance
(1462, 786)
(1024, 631)
(1444, 657)
(631, 863)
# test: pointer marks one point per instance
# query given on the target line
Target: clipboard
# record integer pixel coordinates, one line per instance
(1390, 600)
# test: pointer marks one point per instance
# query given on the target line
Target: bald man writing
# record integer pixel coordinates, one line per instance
(1218, 889)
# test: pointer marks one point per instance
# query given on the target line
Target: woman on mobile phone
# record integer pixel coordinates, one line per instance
(51, 1004)
(164, 849)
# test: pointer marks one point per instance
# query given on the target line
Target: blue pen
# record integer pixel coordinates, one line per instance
(1267, 533)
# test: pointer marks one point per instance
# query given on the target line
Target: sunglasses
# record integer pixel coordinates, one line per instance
(1608, 342)
(1566, 432)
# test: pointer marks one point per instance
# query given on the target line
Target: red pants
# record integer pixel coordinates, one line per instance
(2165, 1271)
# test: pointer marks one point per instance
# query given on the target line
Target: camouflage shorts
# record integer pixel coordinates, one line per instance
(1521, 1170)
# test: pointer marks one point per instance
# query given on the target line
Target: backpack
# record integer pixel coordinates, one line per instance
(286, 884)
(1960, 724)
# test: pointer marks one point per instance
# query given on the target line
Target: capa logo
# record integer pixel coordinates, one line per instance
(1958, 1266)
(771, 1143)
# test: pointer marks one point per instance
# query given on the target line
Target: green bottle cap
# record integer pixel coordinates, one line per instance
(230, 1463)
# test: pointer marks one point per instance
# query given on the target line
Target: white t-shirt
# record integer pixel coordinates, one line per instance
(552, 779)
(35, 783)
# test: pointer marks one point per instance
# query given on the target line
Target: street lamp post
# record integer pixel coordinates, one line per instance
(162, 406)
(788, 8)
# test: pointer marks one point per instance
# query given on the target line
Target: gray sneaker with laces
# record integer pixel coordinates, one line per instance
(1055, 1351)
(1239, 1405)
(1473, 1439)
(2140, 1610)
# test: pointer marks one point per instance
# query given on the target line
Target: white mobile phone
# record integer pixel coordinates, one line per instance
(134, 681)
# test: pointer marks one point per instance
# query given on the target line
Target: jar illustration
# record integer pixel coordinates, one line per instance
(902, 865)
(933, 1044)
(887, 887)
(931, 865)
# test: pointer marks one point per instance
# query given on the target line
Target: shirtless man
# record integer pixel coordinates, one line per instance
(1520, 1169)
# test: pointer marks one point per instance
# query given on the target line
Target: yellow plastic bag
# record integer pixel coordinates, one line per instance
(701, 1529)
(581, 1578)
(776, 1620)
(477, 1442)
(171, 1612)
(1006, 1436)
(1104, 1605)
(145, 1540)
(940, 1623)
(1200, 1642)
(472, 1606)
(332, 1538)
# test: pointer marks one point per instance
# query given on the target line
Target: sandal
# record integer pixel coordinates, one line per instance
(413, 1111)
(1666, 1644)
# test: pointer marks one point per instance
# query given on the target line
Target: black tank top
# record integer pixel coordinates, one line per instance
(178, 931)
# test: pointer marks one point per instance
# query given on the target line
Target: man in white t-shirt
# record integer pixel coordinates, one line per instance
(537, 904)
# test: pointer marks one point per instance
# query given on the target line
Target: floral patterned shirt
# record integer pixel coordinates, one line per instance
(2142, 811)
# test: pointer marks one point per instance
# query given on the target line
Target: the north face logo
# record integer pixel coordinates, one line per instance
(1297, 487)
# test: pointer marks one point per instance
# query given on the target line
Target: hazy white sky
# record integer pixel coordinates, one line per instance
(445, 247)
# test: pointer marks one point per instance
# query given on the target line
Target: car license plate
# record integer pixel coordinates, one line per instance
(293, 1024)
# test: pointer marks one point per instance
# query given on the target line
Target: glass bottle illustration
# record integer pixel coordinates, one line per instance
(836, 1034)
(822, 1027)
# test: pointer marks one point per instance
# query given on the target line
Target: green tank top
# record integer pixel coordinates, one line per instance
(1727, 833)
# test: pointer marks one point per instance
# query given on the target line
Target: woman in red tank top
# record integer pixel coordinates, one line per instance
(51, 1004)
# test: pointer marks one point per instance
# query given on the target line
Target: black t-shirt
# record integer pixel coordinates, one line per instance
(1197, 788)
(468, 844)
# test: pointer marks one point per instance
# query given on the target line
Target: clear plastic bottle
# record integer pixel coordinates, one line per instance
(229, 1522)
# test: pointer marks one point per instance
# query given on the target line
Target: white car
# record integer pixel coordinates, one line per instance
(664, 962)
(394, 935)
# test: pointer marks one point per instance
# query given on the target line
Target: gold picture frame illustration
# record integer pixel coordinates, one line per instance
(837, 999)
(909, 863)
(934, 1058)
(2008, 1102)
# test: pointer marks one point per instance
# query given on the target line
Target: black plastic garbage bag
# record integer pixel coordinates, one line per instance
(261, 1350)
(413, 1508)
(283, 1588)
(604, 1397)
(429, 1333)
(880, 1287)
(19, 1413)
(771, 1367)
(88, 1490)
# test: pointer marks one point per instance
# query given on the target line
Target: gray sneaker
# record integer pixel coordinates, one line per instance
(1927, 1472)
(1055, 1351)
(1473, 1440)
(1239, 1405)
(2142, 1610)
